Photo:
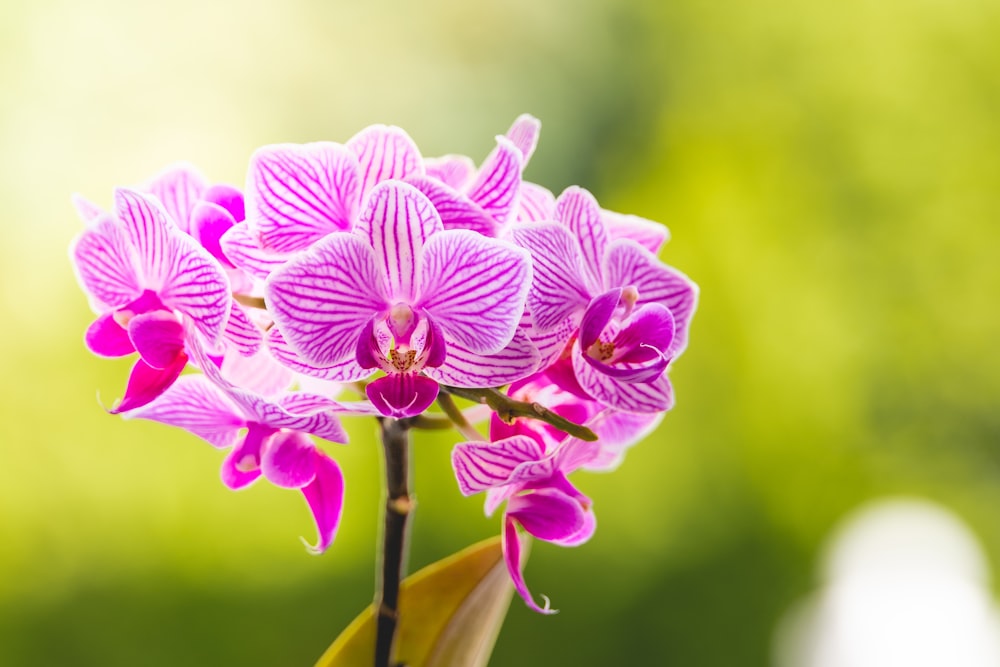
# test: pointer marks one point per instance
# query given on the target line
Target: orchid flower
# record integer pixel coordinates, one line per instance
(627, 313)
(527, 463)
(298, 193)
(405, 296)
(267, 436)
(146, 280)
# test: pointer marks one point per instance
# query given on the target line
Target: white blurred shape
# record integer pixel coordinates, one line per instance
(907, 586)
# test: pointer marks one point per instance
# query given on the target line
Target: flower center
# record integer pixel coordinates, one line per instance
(402, 360)
(602, 350)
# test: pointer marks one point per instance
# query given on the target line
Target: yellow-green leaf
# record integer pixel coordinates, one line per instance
(450, 613)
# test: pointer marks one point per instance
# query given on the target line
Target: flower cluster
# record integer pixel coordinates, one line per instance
(367, 265)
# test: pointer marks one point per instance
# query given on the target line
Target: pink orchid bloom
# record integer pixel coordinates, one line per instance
(405, 296)
(267, 436)
(487, 200)
(626, 313)
(527, 463)
(146, 279)
(298, 193)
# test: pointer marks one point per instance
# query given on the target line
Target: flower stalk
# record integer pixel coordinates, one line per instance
(395, 437)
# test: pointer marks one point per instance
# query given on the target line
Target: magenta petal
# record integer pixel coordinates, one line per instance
(597, 316)
(495, 189)
(241, 467)
(178, 188)
(229, 198)
(105, 264)
(398, 219)
(195, 404)
(106, 338)
(585, 532)
(536, 204)
(158, 337)
(627, 263)
(482, 465)
(402, 394)
(297, 194)
(456, 210)
(208, 223)
(325, 497)
(558, 288)
(512, 557)
(452, 170)
(146, 383)
(653, 396)
(384, 153)
(474, 288)
(578, 210)
(464, 368)
(647, 335)
(288, 459)
(547, 514)
(524, 134)
(323, 298)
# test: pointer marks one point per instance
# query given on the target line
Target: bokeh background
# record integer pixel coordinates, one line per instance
(830, 173)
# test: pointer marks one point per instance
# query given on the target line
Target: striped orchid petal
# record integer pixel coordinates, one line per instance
(551, 344)
(558, 288)
(474, 288)
(578, 210)
(384, 153)
(495, 188)
(536, 204)
(482, 465)
(325, 497)
(323, 298)
(398, 220)
(242, 246)
(195, 404)
(195, 284)
(149, 231)
(644, 397)
(105, 264)
(321, 423)
(616, 432)
(347, 370)
(88, 211)
(297, 194)
(524, 134)
(456, 210)
(650, 235)
(241, 333)
(178, 187)
(628, 263)
(455, 171)
(259, 373)
(464, 368)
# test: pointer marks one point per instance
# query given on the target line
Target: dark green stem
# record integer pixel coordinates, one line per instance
(509, 409)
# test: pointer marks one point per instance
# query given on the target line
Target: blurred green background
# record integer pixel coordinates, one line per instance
(831, 178)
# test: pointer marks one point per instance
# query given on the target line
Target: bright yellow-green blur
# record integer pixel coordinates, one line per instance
(830, 173)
